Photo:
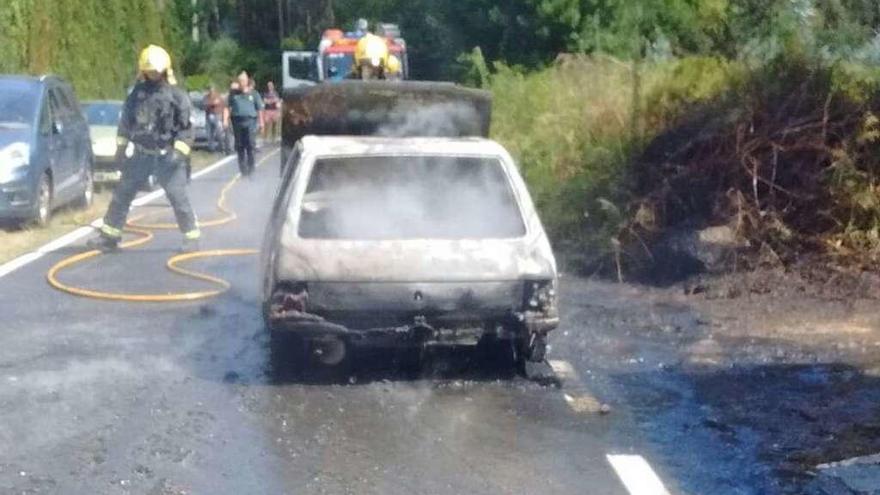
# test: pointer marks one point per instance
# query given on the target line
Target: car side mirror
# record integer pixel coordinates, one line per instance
(57, 127)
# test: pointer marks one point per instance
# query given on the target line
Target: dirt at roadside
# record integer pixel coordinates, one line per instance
(790, 362)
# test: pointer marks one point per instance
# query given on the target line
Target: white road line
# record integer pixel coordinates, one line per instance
(575, 392)
(637, 475)
(74, 236)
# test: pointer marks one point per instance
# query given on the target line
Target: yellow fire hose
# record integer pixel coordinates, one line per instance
(144, 231)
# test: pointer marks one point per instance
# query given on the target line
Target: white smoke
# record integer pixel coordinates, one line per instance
(410, 197)
(416, 196)
(439, 119)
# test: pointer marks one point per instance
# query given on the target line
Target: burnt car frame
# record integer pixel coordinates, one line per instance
(410, 286)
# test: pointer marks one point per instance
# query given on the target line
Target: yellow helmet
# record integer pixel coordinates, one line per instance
(392, 67)
(371, 50)
(154, 58)
(170, 77)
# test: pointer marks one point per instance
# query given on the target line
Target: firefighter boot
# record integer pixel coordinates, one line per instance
(189, 245)
(104, 243)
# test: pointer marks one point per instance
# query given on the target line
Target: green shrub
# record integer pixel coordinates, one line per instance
(198, 82)
(576, 127)
(92, 43)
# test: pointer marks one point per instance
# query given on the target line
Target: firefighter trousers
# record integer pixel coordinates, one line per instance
(171, 175)
(245, 130)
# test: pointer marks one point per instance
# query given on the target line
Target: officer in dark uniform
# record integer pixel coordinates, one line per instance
(154, 138)
(246, 111)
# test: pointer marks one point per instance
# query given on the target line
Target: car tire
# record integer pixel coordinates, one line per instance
(329, 351)
(497, 354)
(533, 348)
(87, 197)
(43, 206)
(288, 354)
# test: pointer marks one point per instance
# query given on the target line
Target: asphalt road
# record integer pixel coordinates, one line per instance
(659, 395)
(103, 397)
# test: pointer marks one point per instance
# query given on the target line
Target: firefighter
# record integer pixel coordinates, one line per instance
(154, 138)
(246, 112)
(370, 58)
(361, 27)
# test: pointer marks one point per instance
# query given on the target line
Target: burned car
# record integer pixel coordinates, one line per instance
(413, 242)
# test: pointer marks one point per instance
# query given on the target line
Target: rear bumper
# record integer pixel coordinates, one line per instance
(200, 138)
(415, 334)
(106, 170)
(409, 314)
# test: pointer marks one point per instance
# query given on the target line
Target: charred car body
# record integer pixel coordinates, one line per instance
(388, 108)
(411, 242)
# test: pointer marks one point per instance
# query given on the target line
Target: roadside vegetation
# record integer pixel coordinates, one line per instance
(16, 240)
(578, 128)
(92, 43)
(778, 144)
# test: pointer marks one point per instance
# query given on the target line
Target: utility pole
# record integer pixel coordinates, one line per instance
(280, 22)
(216, 18)
(195, 21)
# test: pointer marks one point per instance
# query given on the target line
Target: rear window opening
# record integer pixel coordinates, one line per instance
(410, 197)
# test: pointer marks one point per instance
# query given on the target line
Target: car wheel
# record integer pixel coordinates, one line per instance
(287, 355)
(533, 348)
(498, 354)
(88, 195)
(43, 207)
(328, 351)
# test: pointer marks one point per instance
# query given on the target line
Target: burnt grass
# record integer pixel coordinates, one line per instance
(787, 158)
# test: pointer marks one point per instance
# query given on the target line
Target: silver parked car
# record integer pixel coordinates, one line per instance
(407, 242)
(103, 118)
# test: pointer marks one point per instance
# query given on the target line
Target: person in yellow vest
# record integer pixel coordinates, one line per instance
(370, 58)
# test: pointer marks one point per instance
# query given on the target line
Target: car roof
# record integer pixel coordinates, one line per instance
(22, 79)
(374, 145)
(101, 102)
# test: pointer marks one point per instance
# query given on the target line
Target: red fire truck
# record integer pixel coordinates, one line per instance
(334, 59)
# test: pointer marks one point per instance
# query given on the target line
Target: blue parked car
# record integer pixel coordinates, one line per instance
(46, 156)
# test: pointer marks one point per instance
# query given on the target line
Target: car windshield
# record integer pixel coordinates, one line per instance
(18, 103)
(106, 114)
(338, 65)
(410, 197)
